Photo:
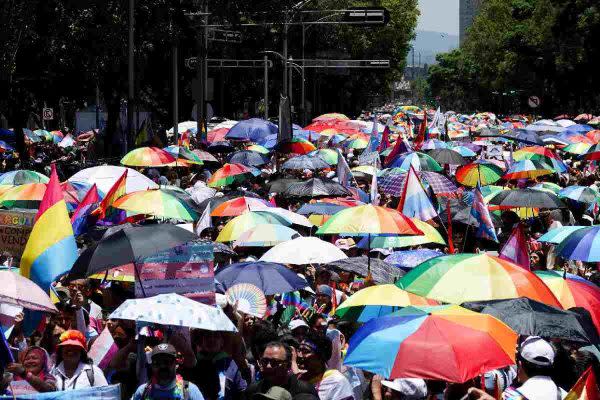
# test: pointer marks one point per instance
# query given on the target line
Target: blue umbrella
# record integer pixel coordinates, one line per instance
(583, 194)
(269, 141)
(271, 278)
(307, 135)
(579, 129)
(6, 146)
(557, 235)
(583, 245)
(248, 158)
(411, 258)
(252, 130)
(320, 209)
(524, 136)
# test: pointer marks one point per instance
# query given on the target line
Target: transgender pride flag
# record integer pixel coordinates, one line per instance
(414, 201)
(103, 349)
(480, 212)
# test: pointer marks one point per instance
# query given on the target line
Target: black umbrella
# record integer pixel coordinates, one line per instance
(220, 147)
(281, 185)
(530, 198)
(531, 318)
(316, 187)
(447, 156)
(320, 208)
(381, 271)
(248, 158)
(524, 136)
(464, 216)
(305, 162)
(128, 245)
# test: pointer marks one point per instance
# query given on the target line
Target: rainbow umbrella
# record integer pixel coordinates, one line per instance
(296, 146)
(5, 188)
(330, 156)
(265, 235)
(239, 206)
(182, 153)
(548, 187)
(433, 144)
(369, 220)
(577, 148)
(482, 173)
(419, 161)
(21, 177)
(366, 169)
(240, 224)
(377, 301)
(447, 343)
(594, 135)
(258, 148)
(527, 169)
(430, 235)
(557, 235)
(593, 153)
(542, 154)
(357, 144)
(574, 291)
(331, 116)
(466, 277)
(583, 194)
(44, 134)
(581, 245)
(158, 203)
(57, 136)
(28, 196)
(231, 173)
(147, 157)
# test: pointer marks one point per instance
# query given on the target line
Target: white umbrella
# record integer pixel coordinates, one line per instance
(304, 250)
(183, 126)
(105, 176)
(565, 123)
(200, 192)
(291, 216)
(175, 310)
(20, 291)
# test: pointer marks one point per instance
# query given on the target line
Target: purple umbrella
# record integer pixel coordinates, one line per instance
(411, 258)
(271, 278)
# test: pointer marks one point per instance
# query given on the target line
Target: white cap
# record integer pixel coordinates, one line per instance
(410, 388)
(297, 323)
(537, 351)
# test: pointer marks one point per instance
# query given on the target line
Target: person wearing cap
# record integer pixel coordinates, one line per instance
(535, 359)
(74, 369)
(165, 383)
(275, 393)
(404, 389)
(299, 329)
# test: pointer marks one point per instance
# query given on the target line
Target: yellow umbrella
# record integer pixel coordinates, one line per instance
(240, 224)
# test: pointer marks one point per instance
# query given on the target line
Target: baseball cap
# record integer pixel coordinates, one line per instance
(275, 393)
(324, 290)
(537, 351)
(163, 348)
(297, 323)
(410, 388)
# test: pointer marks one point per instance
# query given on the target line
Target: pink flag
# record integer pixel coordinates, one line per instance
(515, 248)
(103, 349)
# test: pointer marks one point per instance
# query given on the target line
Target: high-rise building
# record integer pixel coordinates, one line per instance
(468, 9)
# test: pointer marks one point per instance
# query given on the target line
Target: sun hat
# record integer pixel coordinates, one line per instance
(72, 338)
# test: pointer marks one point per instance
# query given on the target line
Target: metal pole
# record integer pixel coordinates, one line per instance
(131, 76)
(266, 69)
(205, 67)
(174, 56)
(285, 55)
(97, 106)
(290, 77)
(303, 93)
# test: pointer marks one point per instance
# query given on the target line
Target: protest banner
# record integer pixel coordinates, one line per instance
(15, 227)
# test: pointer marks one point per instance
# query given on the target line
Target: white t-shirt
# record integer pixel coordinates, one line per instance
(541, 388)
(335, 386)
(79, 380)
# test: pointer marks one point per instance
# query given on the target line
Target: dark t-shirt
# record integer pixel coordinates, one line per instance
(294, 385)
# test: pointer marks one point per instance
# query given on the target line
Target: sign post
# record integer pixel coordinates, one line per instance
(534, 101)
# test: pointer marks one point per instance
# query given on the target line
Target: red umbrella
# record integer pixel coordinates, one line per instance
(217, 135)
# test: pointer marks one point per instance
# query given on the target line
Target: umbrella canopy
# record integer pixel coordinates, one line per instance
(248, 158)
(531, 318)
(265, 235)
(128, 245)
(547, 187)
(27, 196)
(392, 182)
(296, 146)
(158, 203)
(292, 217)
(411, 258)
(466, 277)
(574, 291)
(447, 156)
(557, 235)
(419, 161)
(77, 190)
(183, 154)
(593, 153)
(105, 176)
(369, 220)
(331, 116)
(525, 136)
(269, 277)
(320, 209)
(482, 173)
(147, 157)
(252, 130)
(304, 250)
(229, 174)
(220, 147)
(258, 148)
(315, 187)
(330, 156)
(23, 292)
(204, 156)
(309, 162)
(240, 224)
(21, 177)
(282, 184)
(377, 301)
(174, 310)
(448, 343)
(542, 154)
(238, 206)
(582, 244)
(381, 272)
(583, 194)
(434, 144)
(464, 151)
(577, 148)
(430, 235)
(529, 198)
(527, 169)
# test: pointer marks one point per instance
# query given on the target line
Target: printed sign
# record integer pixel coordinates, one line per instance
(187, 270)
(15, 227)
(533, 101)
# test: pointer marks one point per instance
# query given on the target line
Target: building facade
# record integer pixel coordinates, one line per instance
(468, 9)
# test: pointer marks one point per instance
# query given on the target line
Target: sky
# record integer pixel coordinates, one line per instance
(438, 16)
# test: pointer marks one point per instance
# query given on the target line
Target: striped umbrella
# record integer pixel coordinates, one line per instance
(296, 146)
(419, 161)
(239, 206)
(392, 182)
(240, 224)
(21, 177)
(482, 173)
(330, 156)
(231, 173)
(577, 148)
(466, 277)
(542, 154)
(547, 187)
(581, 245)
(430, 235)
(356, 144)
(583, 194)
(447, 343)
(27, 196)
(557, 235)
(182, 153)
(147, 157)
(158, 203)
(433, 144)
(258, 148)
(594, 135)
(265, 235)
(527, 169)
(204, 155)
(593, 154)
(574, 291)
(377, 301)
(464, 151)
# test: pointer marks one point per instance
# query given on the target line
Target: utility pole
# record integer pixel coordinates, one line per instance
(174, 56)
(130, 74)
(285, 54)
(290, 77)
(303, 93)
(266, 72)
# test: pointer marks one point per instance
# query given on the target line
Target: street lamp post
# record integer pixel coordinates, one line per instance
(130, 73)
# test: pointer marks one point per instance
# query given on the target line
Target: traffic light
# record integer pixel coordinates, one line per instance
(367, 16)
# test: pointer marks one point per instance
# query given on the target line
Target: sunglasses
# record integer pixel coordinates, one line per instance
(272, 362)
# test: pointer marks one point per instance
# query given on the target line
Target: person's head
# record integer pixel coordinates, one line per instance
(535, 358)
(404, 388)
(275, 362)
(72, 348)
(82, 285)
(313, 354)
(35, 360)
(164, 363)
(208, 341)
(299, 329)
(318, 323)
